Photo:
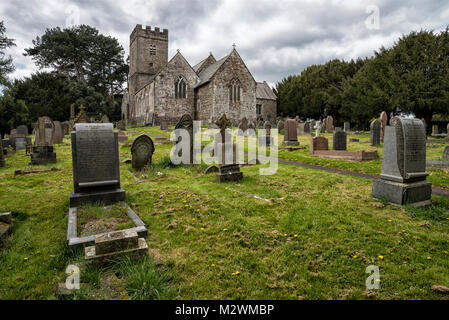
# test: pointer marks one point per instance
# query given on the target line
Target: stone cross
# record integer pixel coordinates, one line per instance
(317, 128)
(223, 123)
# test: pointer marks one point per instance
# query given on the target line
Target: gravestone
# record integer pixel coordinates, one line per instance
(66, 128)
(58, 134)
(446, 153)
(318, 143)
(95, 160)
(22, 130)
(228, 167)
(383, 124)
(329, 124)
(42, 151)
(435, 129)
(311, 128)
(267, 137)
(403, 176)
(306, 128)
(164, 125)
(346, 126)
(82, 117)
(243, 125)
(301, 128)
(186, 123)
(142, 151)
(375, 129)
(251, 125)
(121, 125)
(2, 157)
(280, 126)
(290, 133)
(340, 140)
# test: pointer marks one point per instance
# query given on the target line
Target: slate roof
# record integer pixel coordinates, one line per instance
(263, 91)
(209, 72)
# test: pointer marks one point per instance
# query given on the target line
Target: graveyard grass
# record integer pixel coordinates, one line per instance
(310, 234)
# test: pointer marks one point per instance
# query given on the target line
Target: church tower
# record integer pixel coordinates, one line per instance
(148, 54)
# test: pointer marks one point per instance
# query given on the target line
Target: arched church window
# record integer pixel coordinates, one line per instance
(180, 88)
(234, 91)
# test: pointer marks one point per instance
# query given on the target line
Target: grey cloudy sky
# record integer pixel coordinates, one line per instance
(275, 38)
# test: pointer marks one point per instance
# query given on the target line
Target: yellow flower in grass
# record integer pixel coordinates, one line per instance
(429, 258)
(193, 219)
(355, 257)
(202, 229)
(296, 236)
(381, 257)
(235, 273)
(212, 265)
(389, 220)
(225, 229)
(25, 259)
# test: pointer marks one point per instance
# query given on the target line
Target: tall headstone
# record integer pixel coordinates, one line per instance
(228, 168)
(383, 124)
(43, 142)
(434, 129)
(375, 129)
(290, 133)
(186, 123)
(58, 134)
(329, 124)
(22, 130)
(301, 128)
(340, 140)
(318, 143)
(307, 127)
(403, 176)
(142, 151)
(346, 126)
(2, 157)
(280, 126)
(95, 160)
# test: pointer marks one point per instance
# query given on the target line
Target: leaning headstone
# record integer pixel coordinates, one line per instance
(318, 143)
(186, 123)
(403, 176)
(340, 140)
(43, 142)
(375, 128)
(2, 157)
(446, 153)
(383, 124)
(280, 126)
(243, 125)
(346, 126)
(142, 151)
(229, 169)
(434, 129)
(290, 133)
(95, 160)
(58, 134)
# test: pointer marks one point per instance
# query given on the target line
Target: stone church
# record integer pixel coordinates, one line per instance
(163, 90)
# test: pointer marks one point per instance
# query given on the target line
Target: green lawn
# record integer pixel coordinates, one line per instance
(310, 235)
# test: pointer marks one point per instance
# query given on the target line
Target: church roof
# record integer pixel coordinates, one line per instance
(209, 72)
(263, 91)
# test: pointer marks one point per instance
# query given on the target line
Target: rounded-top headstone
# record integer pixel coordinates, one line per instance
(142, 151)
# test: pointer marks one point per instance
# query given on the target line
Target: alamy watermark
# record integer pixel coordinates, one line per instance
(372, 22)
(373, 281)
(72, 281)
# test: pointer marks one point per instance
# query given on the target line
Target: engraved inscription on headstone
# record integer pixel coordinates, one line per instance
(340, 140)
(142, 151)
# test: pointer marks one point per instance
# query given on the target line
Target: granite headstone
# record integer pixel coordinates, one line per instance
(142, 151)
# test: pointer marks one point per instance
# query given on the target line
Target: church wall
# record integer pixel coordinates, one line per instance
(205, 97)
(269, 108)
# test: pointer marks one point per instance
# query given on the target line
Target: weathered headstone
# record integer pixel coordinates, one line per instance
(43, 142)
(104, 119)
(58, 134)
(164, 125)
(346, 126)
(301, 128)
(186, 123)
(280, 126)
(142, 151)
(22, 130)
(329, 124)
(243, 125)
(290, 133)
(82, 117)
(121, 125)
(375, 128)
(383, 124)
(251, 125)
(446, 153)
(95, 160)
(340, 140)
(403, 176)
(307, 128)
(267, 138)
(229, 169)
(319, 143)
(435, 129)
(66, 128)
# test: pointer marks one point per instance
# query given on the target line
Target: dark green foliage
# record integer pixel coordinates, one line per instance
(6, 65)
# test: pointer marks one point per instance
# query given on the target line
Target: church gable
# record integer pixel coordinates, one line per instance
(174, 89)
(206, 63)
(234, 89)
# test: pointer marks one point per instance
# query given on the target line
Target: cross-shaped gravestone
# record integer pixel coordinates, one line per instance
(223, 123)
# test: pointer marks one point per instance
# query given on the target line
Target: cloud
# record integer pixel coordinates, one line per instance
(275, 38)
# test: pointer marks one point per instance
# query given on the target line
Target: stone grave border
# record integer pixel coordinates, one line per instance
(76, 242)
